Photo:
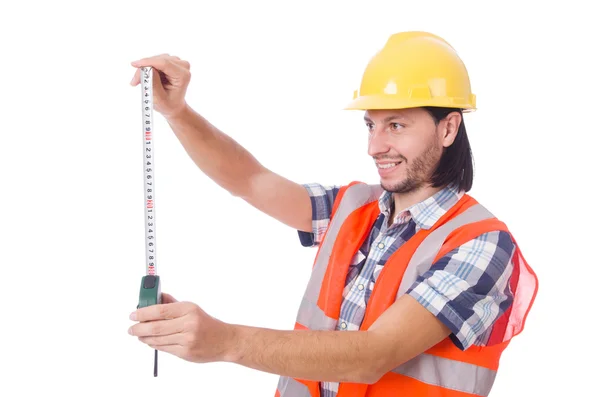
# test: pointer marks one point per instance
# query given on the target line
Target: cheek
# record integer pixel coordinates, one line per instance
(407, 146)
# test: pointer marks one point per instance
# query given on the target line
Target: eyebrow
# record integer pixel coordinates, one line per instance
(389, 118)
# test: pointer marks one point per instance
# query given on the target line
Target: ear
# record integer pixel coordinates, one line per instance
(449, 126)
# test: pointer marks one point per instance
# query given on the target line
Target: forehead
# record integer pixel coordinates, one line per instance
(381, 115)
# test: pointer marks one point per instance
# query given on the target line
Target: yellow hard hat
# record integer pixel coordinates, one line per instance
(414, 69)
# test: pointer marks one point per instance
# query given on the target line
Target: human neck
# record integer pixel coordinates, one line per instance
(404, 200)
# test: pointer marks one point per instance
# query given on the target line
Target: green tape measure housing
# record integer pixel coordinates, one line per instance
(149, 291)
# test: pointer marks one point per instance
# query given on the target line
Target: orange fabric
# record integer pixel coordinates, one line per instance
(348, 241)
(388, 386)
(336, 204)
(384, 292)
(524, 295)
(300, 326)
(350, 237)
(469, 232)
(488, 357)
(339, 196)
(313, 387)
(461, 236)
(502, 331)
(524, 282)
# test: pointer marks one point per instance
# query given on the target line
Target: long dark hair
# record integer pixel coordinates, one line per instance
(456, 163)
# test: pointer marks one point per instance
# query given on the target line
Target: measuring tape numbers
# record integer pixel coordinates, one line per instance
(150, 293)
(148, 125)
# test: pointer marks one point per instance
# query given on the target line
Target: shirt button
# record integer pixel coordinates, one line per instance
(381, 245)
(361, 287)
(343, 325)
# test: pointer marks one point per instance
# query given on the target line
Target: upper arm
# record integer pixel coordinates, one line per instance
(305, 207)
(461, 296)
(403, 331)
(280, 198)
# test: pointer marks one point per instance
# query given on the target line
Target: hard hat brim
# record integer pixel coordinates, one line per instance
(373, 102)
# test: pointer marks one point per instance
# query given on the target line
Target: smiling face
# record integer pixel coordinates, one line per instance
(407, 145)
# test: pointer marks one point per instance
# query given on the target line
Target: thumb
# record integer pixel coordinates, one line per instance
(157, 85)
(166, 298)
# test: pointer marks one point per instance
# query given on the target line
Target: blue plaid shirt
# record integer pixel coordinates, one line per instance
(467, 289)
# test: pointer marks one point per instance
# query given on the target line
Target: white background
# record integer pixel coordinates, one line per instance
(275, 76)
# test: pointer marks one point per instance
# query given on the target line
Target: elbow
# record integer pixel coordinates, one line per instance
(367, 377)
(359, 373)
(374, 372)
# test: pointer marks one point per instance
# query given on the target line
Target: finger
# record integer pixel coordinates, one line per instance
(162, 63)
(164, 55)
(161, 311)
(167, 298)
(136, 78)
(163, 340)
(175, 350)
(184, 64)
(180, 62)
(157, 328)
(158, 83)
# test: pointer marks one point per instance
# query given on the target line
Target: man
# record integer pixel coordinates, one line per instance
(416, 288)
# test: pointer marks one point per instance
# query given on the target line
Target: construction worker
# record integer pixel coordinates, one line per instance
(416, 288)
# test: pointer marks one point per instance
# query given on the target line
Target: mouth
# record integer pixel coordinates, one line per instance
(387, 166)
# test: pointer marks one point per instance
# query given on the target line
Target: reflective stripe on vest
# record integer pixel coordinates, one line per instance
(309, 314)
(427, 368)
(450, 374)
(423, 257)
(291, 387)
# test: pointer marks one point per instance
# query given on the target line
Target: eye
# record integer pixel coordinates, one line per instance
(370, 126)
(396, 126)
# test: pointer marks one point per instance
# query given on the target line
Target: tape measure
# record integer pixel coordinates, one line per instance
(150, 286)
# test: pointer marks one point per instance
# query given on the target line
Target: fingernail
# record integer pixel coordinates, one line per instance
(130, 331)
(133, 316)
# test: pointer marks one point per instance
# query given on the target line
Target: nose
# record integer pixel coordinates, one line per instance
(378, 142)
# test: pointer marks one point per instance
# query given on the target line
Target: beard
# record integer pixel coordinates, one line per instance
(419, 172)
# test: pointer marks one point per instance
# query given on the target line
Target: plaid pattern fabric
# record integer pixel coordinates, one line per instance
(467, 289)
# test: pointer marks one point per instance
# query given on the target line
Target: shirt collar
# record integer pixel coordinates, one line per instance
(425, 213)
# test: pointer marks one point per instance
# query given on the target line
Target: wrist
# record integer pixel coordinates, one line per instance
(179, 114)
(235, 340)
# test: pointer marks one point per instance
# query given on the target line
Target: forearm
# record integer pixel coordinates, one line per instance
(333, 356)
(217, 155)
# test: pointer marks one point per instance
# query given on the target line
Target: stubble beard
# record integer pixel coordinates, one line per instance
(419, 173)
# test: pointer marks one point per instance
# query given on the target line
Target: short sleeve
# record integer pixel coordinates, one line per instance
(468, 289)
(322, 199)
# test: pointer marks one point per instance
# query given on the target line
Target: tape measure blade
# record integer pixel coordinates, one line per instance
(146, 79)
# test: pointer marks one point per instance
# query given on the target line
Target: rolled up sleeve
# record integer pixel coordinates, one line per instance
(469, 288)
(322, 198)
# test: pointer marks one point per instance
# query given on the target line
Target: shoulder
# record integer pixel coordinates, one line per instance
(481, 239)
(487, 255)
(361, 191)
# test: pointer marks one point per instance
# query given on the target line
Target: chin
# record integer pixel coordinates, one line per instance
(400, 185)
(391, 185)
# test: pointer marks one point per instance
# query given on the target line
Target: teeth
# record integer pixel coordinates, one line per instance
(390, 165)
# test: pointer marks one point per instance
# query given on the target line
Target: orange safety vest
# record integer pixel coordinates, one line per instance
(444, 370)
